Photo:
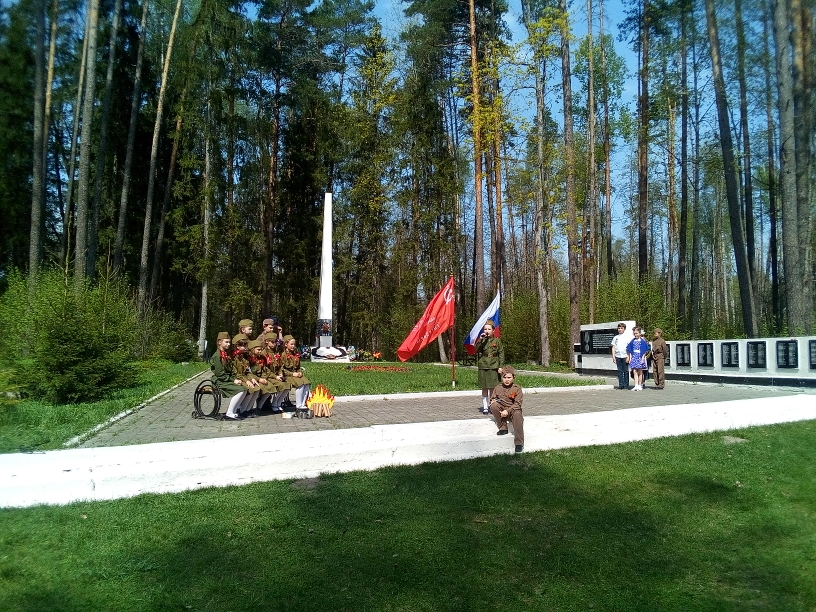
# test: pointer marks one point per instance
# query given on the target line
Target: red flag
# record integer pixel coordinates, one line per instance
(437, 318)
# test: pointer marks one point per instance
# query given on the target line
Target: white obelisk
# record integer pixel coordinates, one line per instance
(324, 308)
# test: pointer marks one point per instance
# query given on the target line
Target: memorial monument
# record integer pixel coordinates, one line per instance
(324, 349)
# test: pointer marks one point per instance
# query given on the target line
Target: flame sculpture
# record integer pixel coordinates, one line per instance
(320, 401)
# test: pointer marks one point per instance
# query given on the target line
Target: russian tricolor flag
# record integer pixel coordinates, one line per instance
(492, 312)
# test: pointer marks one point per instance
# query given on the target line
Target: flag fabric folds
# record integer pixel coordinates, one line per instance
(437, 318)
(492, 312)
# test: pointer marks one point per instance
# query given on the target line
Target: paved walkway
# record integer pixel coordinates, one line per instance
(169, 418)
(161, 449)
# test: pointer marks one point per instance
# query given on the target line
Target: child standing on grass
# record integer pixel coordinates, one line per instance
(490, 361)
(506, 407)
(224, 375)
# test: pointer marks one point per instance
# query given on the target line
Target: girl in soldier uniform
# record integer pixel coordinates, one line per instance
(224, 376)
(490, 361)
(293, 373)
(240, 361)
(272, 358)
(265, 376)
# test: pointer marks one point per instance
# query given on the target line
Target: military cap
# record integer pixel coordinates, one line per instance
(288, 337)
(270, 337)
(245, 323)
(254, 344)
(268, 322)
(223, 336)
(238, 338)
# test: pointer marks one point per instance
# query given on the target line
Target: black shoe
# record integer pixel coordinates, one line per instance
(251, 415)
(501, 432)
(519, 448)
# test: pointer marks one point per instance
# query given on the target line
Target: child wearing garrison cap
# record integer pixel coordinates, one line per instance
(265, 376)
(224, 376)
(245, 328)
(240, 364)
(293, 373)
(274, 367)
(490, 359)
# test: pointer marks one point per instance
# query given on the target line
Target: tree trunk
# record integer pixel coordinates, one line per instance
(151, 179)
(81, 248)
(478, 238)
(573, 252)
(682, 233)
(610, 263)
(749, 322)
(208, 207)
(67, 221)
(697, 217)
(791, 260)
(592, 195)
(103, 142)
(643, 148)
(38, 165)
(803, 105)
(748, 193)
(168, 190)
(538, 226)
(134, 116)
(773, 247)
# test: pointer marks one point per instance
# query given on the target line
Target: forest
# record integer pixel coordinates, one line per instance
(643, 159)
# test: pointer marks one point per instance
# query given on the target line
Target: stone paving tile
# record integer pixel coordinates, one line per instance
(169, 418)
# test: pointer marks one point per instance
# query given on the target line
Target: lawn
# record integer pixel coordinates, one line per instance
(28, 425)
(390, 377)
(695, 523)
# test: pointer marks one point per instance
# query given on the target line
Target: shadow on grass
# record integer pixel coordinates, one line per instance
(580, 531)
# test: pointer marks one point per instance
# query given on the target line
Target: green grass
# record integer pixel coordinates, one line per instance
(682, 524)
(27, 425)
(345, 379)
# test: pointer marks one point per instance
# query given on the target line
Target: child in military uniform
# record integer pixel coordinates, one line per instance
(293, 373)
(506, 407)
(240, 364)
(274, 367)
(245, 328)
(224, 376)
(490, 360)
(264, 375)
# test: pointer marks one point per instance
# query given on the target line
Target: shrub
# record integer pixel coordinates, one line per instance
(72, 346)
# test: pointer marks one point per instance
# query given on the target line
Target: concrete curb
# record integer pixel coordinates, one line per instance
(66, 476)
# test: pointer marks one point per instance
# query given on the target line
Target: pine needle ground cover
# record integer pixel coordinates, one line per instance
(714, 522)
(27, 425)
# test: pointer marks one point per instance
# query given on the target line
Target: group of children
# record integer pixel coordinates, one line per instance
(501, 396)
(633, 353)
(251, 372)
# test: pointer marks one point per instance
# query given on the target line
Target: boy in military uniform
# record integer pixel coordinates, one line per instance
(293, 373)
(506, 407)
(245, 328)
(659, 351)
(240, 364)
(224, 376)
(490, 360)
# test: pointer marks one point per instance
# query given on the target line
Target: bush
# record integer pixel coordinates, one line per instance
(75, 362)
(72, 346)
